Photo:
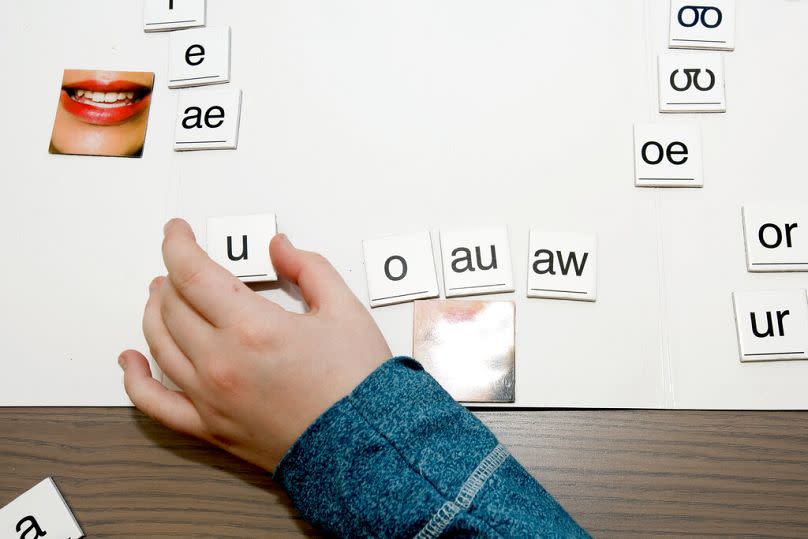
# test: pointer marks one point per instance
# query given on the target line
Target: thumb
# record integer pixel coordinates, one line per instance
(317, 279)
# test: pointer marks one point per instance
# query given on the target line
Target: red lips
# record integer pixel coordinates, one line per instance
(107, 108)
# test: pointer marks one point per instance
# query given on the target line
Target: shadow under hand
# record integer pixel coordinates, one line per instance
(206, 465)
(283, 292)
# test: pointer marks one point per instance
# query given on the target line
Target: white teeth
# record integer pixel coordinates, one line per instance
(104, 99)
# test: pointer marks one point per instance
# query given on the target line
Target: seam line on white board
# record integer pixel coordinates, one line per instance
(667, 371)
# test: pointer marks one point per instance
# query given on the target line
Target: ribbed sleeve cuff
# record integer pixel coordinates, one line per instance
(385, 458)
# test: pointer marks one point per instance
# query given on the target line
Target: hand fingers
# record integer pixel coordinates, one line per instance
(171, 408)
(319, 282)
(187, 328)
(209, 288)
(163, 348)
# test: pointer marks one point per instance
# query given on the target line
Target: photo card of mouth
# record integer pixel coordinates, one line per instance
(468, 347)
(102, 113)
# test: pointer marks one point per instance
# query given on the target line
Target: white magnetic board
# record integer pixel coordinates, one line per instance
(363, 118)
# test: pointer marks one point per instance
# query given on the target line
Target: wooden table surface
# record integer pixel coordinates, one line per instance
(619, 473)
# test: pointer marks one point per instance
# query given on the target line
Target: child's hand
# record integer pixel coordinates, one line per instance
(254, 376)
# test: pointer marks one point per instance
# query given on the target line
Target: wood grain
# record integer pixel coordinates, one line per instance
(619, 473)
